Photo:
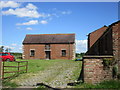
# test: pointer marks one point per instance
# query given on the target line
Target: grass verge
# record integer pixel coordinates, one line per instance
(112, 84)
(8, 84)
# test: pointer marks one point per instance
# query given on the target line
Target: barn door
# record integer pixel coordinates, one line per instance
(48, 55)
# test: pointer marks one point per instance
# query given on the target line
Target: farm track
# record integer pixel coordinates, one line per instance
(56, 76)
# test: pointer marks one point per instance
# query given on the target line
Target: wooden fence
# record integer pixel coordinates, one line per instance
(17, 66)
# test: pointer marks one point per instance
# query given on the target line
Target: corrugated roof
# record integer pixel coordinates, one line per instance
(49, 38)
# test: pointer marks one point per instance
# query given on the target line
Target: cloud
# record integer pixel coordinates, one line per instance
(13, 47)
(11, 4)
(66, 12)
(29, 11)
(32, 22)
(81, 46)
(28, 28)
(20, 48)
(14, 44)
(43, 22)
(22, 12)
(5, 47)
(31, 6)
(18, 27)
(61, 12)
(56, 15)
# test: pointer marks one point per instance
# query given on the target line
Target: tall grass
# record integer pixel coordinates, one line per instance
(112, 84)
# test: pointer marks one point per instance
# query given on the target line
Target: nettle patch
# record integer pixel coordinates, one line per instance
(110, 63)
(107, 62)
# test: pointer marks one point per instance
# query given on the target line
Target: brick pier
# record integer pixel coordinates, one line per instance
(94, 70)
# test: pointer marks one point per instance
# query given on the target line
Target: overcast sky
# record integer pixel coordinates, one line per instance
(81, 18)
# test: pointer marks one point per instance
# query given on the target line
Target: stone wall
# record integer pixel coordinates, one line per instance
(94, 70)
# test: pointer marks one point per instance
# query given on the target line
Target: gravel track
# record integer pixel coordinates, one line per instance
(56, 76)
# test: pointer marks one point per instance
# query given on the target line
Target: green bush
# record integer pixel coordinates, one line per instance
(17, 55)
(107, 62)
(114, 71)
(118, 76)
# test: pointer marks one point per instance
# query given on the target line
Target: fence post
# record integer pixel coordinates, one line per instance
(18, 67)
(26, 66)
(0, 73)
(3, 71)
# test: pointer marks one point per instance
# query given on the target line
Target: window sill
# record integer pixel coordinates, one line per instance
(31, 56)
(63, 56)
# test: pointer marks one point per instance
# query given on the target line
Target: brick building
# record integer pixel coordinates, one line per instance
(93, 36)
(105, 41)
(49, 46)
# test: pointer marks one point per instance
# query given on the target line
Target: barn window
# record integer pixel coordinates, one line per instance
(47, 46)
(32, 53)
(63, 52)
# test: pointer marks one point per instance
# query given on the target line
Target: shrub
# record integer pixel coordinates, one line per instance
(107, 62)
(118, 76)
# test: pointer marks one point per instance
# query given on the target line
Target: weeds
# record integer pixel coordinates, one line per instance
(112, 84)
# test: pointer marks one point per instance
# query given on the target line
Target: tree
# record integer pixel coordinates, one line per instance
(1, 48)
(77, 55)
(82, 54)
(8, 50)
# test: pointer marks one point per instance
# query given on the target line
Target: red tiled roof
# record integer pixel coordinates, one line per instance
(49, 38)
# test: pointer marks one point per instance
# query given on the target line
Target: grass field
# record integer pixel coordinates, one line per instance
(54, 73)
(57, 67)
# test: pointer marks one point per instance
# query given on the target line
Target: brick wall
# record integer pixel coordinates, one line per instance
(93, 36)
(116, 43)
(119, 47)
(103, 46)
(39, 51)
(107, 44)
(94, 70)
(55, 51)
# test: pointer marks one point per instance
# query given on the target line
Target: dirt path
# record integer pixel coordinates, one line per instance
(56, 76)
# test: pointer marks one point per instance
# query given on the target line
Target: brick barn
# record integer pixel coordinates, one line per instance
(105, 41)
(49, 46)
